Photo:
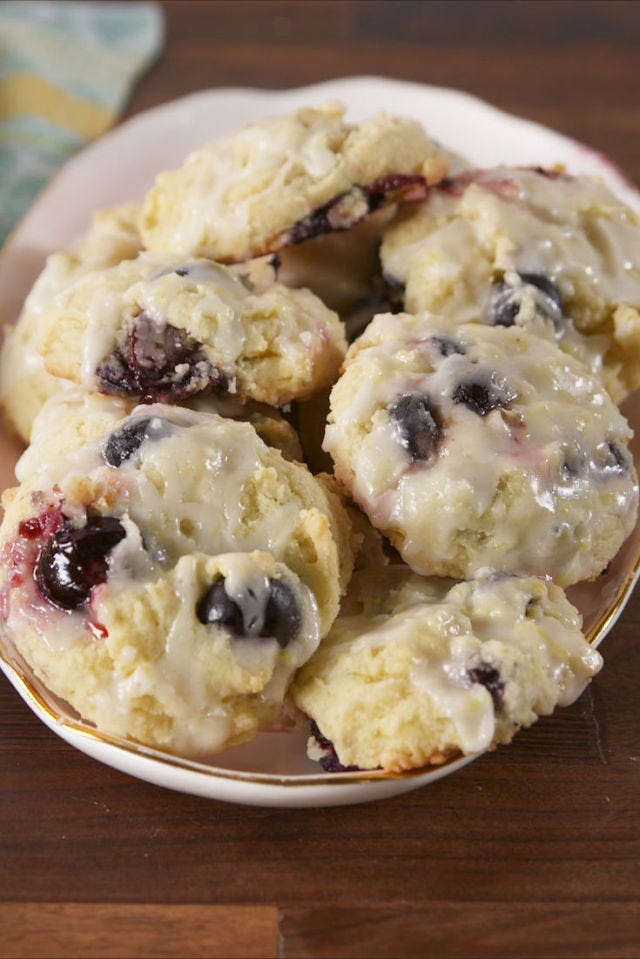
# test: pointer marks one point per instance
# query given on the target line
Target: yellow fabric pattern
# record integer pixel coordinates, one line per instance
(22, 93)
(67, 68)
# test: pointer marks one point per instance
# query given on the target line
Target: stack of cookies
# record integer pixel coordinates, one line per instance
(228, 519)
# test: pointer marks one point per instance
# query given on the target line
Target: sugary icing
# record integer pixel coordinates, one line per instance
(165, 492)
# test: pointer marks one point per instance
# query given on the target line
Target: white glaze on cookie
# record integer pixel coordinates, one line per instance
(473, 447)
(164, 329)
(167, 572)
(423, 669)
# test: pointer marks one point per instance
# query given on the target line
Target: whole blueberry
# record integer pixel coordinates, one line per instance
(282, 616)
(123, 443)
(419, 425)
(217, 608)
(74, 560)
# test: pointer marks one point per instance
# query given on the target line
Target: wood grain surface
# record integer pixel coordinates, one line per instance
(532, 851)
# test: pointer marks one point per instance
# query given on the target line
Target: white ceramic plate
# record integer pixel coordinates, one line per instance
(274, 770)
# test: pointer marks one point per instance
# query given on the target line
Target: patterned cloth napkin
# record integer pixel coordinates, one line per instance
(66, 70)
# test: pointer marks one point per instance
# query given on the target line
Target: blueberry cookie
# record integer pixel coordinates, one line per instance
(164, 330)
(87, 416)
(287, 179)
(557, 254)
(167, 576)
(476, 447)
(418, 670)
(24, 382)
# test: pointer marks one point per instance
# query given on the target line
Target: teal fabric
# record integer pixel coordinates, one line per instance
(78, 57)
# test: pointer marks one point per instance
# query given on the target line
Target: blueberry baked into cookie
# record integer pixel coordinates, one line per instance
(167, 576)
(554, 253)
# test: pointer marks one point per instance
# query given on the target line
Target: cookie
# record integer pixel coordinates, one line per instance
(418, 671)
(284, 180)
(89, 415)
(24, 383)
(557, 254)
(167, 574)
(165, 330)
(476, 447)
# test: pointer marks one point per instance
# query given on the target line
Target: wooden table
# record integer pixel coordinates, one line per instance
(533, 851)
